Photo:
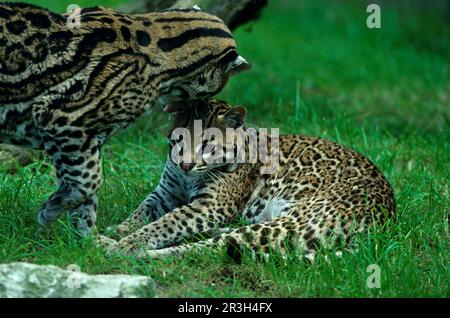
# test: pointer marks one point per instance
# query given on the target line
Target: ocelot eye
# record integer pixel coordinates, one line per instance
(209, 149)
(179, 91)
(206, 144)
(173, 141)
(209, 140)
(202, 80)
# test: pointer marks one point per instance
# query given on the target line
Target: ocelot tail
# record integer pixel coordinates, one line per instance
(319, 193)
(67, 87)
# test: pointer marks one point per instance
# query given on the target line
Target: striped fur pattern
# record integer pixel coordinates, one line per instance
(321, 192)
(68, 89)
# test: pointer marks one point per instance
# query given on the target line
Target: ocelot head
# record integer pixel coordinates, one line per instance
(207, 136)
(201, 55)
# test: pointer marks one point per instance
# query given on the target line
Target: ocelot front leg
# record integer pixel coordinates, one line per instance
(213, 206)
(174, 227)
(151, 209)
(76, 157)
(158, 203)
(167, 196)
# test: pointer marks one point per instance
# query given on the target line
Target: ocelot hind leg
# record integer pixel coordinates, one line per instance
(78, 170)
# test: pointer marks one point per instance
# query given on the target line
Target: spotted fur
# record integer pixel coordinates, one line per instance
(68, 89)
(320, 192)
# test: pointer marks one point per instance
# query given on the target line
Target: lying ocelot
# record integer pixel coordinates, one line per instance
(67, 87)
(318, 193)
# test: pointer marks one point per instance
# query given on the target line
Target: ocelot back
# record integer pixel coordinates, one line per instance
(318, 193)
(67, 88)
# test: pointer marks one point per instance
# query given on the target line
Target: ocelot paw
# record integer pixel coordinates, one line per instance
(123, 229)
(42, 219)
(134, 245)
(106, 243)
(83, 227)
(119, 230)
(151, 254)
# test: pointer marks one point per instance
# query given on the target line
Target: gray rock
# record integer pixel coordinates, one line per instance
(19, 280)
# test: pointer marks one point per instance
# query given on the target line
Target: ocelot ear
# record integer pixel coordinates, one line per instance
(237, 65)
(235, 117)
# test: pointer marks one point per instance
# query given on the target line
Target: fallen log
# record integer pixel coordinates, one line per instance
(233, 12)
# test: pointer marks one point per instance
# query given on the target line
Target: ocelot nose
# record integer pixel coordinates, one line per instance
(187, 166)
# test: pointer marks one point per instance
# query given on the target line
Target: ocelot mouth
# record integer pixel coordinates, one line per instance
(173, 108)
(174, 95)
(168, 99)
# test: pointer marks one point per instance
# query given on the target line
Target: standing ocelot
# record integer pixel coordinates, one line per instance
(67, 88)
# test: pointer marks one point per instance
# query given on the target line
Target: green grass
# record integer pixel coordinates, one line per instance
(318, 70)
